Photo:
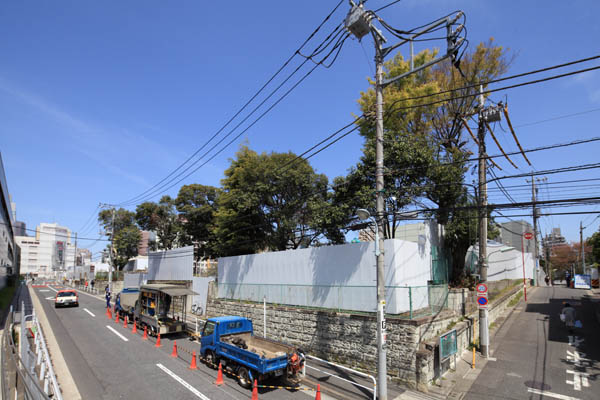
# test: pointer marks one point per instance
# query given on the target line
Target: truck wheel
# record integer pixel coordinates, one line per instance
(244, 378)
(211, 360)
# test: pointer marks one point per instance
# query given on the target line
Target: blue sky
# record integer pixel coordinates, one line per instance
(101, 100)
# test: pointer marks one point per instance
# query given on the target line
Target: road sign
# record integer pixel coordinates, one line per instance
(482, 288)
(528, 235)
(482, 301)
(448, 344)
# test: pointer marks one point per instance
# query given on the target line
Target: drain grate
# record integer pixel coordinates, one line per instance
(537, 385)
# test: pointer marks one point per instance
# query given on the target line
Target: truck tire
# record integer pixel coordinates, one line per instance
(211, 360)
(244, 378)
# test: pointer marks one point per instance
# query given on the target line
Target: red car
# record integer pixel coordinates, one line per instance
(66, 297)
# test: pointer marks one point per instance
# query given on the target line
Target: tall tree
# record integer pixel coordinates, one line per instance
(197, 205)
(269, 204)
(126, 234)
(162, 218)
(425, 149)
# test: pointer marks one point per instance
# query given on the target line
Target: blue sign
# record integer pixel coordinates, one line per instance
(483, 301)
(448, 344)
(583, 281)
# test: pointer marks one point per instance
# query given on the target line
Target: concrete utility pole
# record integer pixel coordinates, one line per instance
(582, 247)
(75, 255)
(112, 246)
(484, 337)
(535, 233)
(358, 22)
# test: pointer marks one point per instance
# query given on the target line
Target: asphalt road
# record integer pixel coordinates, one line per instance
(537, 358)
(108, 361)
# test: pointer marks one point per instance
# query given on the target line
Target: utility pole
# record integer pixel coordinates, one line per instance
(484, 337)
(536, 272)
(75, 256)
(582, 247)
(112, 246)
(112, 243)
(358, 23)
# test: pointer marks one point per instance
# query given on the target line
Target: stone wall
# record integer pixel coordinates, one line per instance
(350, 339)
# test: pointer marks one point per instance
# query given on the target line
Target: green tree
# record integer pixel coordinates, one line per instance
(593, 243)
(162, 218)
(268, 204)
(425, 149)
(197, 205)
(126, 234)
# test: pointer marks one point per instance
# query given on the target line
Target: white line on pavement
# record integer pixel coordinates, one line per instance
(50, 298)
(52, 289)
(89, 312)
(184, 383)
(44, 290)
(91, 295)
(550, 394)
(117, 333)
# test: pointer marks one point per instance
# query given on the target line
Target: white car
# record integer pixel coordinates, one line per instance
(66, 298)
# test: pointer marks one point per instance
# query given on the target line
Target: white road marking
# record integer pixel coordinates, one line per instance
(184, 383)
(50, 287)
(550, 394)
(44, 290)
(514, 375)
(117, 333)
(89, 312)
(91, 295)
(579, 379)
(575, 341)
(50, 298)
(492, 359)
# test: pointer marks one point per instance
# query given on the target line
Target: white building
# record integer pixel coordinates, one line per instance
(30, 248)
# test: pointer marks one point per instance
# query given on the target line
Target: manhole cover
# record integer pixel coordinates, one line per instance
(537, 385)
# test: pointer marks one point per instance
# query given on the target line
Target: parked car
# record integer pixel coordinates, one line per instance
(66, 298)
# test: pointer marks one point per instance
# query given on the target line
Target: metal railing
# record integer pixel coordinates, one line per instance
(27, 373)
(402, 301)
(361, 374)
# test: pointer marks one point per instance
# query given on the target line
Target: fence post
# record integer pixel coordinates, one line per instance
(410, 301)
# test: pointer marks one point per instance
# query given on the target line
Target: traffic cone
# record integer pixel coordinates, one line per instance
(255, 391)
(174, 353)
(117, 318)
(125, 322)
(219, 380)
(318, 396)
(193, 363)
(134, 330)
(108, 313)
(158, 341)
(145, 337)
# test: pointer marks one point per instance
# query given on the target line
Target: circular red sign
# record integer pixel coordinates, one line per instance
(528, 235)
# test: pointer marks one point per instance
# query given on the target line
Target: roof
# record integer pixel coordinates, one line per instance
(67, 290)
(171, 290)
(228, 318)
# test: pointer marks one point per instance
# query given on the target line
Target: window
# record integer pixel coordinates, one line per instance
(209, 328)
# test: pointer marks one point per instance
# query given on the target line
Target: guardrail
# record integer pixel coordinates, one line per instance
(26, 373)
(353, 371)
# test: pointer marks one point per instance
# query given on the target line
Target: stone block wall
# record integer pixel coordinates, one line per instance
(351, 339)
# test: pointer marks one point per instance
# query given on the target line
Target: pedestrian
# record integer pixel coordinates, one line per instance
(546, 279)
(107, 295)
(567, 315)
(86, 285)
(92, 283)
(568, 278)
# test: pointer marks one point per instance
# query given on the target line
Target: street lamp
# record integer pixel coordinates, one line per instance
(364, 214)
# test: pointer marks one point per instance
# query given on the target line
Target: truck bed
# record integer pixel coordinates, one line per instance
(262, 347)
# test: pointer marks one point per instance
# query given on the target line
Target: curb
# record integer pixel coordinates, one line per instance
(63, 375)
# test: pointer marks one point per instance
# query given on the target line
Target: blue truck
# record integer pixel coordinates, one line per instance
(231, 342)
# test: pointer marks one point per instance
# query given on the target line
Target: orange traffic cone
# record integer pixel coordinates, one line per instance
(318, 396)
(219, 380)
(125, 322)
(134, 330)
(158, 341)
(117, 318)
(108, 313)
(145, 337)
(193, 363)
(174, 353)
(255, 391)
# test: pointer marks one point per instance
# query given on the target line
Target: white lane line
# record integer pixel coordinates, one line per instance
(184, 383)
(89, 312)
(117, 333)
(44, 290)
(50, 287)
(550, 394)
(50, 298)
